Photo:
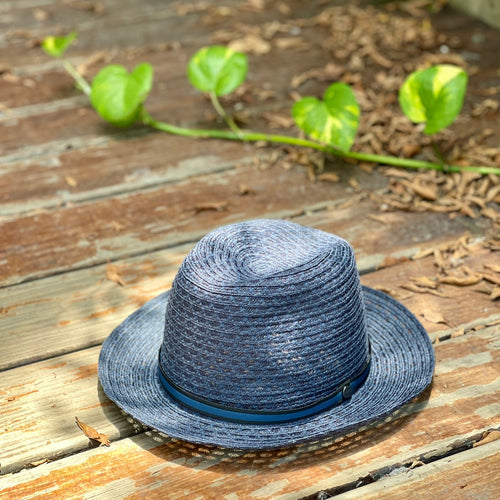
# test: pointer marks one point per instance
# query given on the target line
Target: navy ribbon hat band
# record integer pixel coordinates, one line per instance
(201, 405)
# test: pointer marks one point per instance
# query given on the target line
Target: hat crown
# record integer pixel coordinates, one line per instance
(265, 315)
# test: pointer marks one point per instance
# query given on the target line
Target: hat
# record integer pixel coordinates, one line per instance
(266, 339)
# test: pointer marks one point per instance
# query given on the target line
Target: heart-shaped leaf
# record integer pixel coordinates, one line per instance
(334, 120)
(56, 46)
(117, 95)
(434, 95)
(217, 69)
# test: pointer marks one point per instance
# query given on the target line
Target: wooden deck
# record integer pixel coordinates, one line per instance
(83, 206)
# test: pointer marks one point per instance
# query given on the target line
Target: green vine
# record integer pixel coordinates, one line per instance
(433, 96)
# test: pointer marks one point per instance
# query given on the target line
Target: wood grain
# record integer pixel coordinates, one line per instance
(37, 245)
(474, 473)
(463, 401)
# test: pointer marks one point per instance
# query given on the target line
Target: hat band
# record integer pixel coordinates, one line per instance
(206, 407)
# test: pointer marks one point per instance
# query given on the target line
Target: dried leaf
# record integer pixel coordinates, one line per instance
(216, 206)
(112, 274)
(91, 433)
(488, 437)
(434, 317)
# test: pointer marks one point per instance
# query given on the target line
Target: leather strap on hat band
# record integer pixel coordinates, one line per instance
(201, 405)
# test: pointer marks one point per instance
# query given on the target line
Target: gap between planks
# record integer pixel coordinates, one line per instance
(461, 404)
(473, 473)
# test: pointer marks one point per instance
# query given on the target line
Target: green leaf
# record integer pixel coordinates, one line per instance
(217, 69)
(334, 120)
(434, 96)
(118, 95)
(56, 46)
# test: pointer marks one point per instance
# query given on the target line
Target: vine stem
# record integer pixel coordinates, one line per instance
(222, 112)
(248, 136)
(82, 83)
(236, 134)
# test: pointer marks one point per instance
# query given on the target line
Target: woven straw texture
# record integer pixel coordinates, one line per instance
(266, 315)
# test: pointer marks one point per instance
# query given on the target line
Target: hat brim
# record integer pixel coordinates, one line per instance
(402, 367)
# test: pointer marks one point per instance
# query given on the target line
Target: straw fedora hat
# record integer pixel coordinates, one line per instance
(266, 339)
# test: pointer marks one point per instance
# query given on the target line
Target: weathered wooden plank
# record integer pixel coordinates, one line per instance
(88, 234)
(473, 473)
(124, 23)
(463, 401)
(78, 309)
(458, 305)
(46, 83)
(112, 168)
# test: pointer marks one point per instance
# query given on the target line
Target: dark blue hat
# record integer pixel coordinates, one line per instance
(266, 339)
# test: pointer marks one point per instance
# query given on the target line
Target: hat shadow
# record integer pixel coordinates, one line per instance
(228, 460)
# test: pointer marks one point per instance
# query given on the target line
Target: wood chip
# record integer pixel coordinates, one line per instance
(354, 183)
(278, 120)
(251, 44)
(424, 281)
(92, 434)
(412, 287)
(439, 259)
(492, 278)
(426, 192)
(328, 177)
(112, 274)
(244, 190)
(216, 206)
(296, 43)
(423, 253)
(390, 261)
(495, 293)
(40, 14)
(85, 5)
(38, 462)
(382, 218)
(70, 181)
(330, 72)
(460, 281)
(493, 267)
(488, 437)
